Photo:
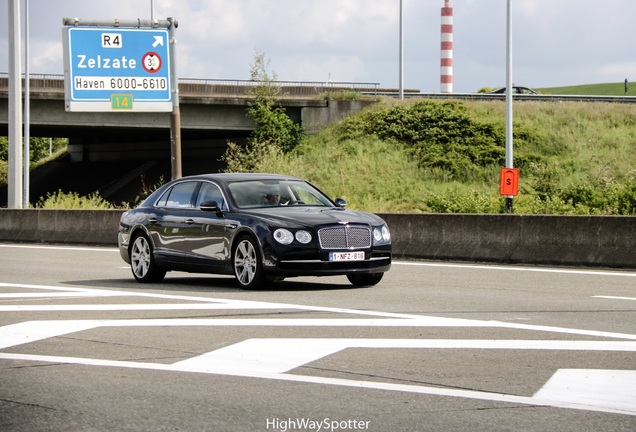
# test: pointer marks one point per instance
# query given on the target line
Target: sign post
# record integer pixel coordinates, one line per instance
(123, 66)
(175, 117)
(509, 115)
(15, 109)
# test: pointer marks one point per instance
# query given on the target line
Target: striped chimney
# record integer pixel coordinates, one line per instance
(446, 62)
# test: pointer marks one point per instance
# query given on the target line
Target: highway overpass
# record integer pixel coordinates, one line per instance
(118, 154)
(212, 112)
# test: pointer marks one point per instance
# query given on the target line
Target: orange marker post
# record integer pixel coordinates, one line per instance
(509, 182)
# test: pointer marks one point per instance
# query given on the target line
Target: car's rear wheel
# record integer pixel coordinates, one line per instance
(361, 280)
(247, 264)
(142, 261)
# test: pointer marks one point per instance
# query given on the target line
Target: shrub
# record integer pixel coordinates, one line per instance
(72, 200)
(440, 135)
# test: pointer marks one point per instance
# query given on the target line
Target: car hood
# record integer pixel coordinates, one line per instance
(305, 216)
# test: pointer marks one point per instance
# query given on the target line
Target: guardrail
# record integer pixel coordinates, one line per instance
(215, 87)
(502, 97)
(231, 88)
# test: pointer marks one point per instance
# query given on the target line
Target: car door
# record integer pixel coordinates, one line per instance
(205, 241)
(168, 226)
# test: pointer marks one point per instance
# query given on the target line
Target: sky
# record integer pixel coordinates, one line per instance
(555, 42)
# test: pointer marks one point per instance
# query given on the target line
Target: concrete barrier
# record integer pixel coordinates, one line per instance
(97, 227)
(597, 241)
(607, 241)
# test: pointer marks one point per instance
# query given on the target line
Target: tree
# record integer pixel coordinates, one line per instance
(273, 131)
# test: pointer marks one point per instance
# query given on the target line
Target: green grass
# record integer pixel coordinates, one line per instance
(575, 158)
(605, 89)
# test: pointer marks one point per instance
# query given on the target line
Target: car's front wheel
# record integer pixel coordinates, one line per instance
(142, 261)
(246, 261)
(361, 280)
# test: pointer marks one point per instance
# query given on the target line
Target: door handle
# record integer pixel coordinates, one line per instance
(189, 221)
(152, 220)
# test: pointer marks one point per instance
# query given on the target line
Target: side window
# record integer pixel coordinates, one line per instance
(210, 192)
(179, 196)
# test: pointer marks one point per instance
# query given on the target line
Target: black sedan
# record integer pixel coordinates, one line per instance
(515, 90)
(258, 227)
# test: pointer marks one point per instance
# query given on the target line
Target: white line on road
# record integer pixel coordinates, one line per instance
(616, 298)
(66, 248)
(626, 273)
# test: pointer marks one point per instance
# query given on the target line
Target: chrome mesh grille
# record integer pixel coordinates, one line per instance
(345, 237)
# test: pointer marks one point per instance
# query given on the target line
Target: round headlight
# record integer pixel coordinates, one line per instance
(283, 236)
(386, 234)
(303, 237)
(377, 234)
(381, 234)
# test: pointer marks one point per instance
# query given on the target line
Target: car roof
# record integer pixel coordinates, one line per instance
(232, 177)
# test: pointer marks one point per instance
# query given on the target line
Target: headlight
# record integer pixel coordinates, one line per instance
(381, 234)
(283, 236)
(386, 234)
(303, 237)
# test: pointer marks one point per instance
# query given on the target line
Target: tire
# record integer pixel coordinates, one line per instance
(142, 261)
(247, 263)
(368, 279)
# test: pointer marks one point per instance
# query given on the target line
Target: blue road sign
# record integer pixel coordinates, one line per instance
(117, 69)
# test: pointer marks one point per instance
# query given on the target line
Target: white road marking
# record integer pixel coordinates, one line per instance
(66, 248)
(130, 307)
(371, 385)
(604, 388)
(616, 298)
(274, 358)
(32, 331)
(626, 273)
(282, 355)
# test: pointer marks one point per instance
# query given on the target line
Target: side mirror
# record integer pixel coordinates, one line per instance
(211, 206)
(341, 202)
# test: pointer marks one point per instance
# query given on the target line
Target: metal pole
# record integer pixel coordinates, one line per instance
(15, 111)
(27, 110)
(401, 92)
(175, 116)
(509, 130)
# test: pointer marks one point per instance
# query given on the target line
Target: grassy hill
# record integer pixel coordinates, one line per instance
(425, 156)
(606, 89)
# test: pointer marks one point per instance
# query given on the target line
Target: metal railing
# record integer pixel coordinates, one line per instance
(216, 87)
(38, 83)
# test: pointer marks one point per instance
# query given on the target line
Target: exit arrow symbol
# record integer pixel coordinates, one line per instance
(158, 41)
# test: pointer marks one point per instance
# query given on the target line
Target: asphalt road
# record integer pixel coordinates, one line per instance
(433, 347)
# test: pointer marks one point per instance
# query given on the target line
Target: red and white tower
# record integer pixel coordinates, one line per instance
(446, 62)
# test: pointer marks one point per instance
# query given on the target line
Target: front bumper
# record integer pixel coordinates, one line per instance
(318, 264)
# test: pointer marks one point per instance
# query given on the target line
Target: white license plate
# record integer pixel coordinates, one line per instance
(346, 256)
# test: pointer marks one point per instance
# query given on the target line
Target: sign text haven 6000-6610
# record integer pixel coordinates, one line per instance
(117, 83)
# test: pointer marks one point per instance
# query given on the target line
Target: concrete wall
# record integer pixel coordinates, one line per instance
(608, 241)
(97, 227)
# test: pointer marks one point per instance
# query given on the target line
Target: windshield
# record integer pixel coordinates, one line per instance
(270, 193)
